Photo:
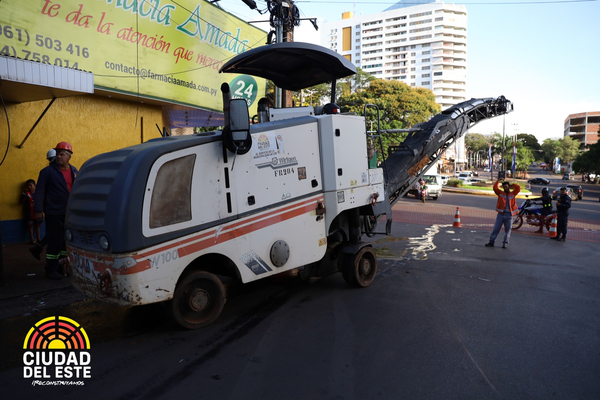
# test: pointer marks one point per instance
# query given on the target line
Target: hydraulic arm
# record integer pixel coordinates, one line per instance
(427, 141)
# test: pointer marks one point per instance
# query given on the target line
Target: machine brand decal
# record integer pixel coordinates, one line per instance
(353, 182)
(281, 162)
(255, 263)
(322, 242)
(301, 173)
(286, 196)
(266, 146)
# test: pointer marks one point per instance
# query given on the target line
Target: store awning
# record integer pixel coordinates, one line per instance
(23, 81)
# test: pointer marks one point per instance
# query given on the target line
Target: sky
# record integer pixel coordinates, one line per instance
(543, 55)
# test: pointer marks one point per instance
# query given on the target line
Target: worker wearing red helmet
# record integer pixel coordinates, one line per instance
(50, 199)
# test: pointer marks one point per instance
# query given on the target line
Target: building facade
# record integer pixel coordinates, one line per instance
(583, 127)
(421, 45)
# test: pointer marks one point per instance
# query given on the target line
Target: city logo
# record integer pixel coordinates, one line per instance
(55, 350)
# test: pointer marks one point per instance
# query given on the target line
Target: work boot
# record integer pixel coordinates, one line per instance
(490, 244)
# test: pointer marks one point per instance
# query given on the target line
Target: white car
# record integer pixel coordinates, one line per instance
(444, 179)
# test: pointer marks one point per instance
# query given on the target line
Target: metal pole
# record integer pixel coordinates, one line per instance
(279, 32)
(503, 144)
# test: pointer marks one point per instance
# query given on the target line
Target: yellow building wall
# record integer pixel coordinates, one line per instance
(91, 124)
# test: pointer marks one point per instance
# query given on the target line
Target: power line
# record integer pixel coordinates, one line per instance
(345, 2)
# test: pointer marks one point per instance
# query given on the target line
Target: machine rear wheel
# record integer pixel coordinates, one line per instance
(360, 269)
(517, 222)
(198, 300)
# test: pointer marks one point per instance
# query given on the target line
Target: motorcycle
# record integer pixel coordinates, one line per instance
(530, 211)
(423, 193)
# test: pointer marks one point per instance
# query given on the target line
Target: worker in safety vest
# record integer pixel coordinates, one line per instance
(506, 207)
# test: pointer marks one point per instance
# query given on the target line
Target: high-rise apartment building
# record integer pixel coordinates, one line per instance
(421, 45)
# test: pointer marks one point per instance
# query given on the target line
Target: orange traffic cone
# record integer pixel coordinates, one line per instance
(552, 232)
(456, 223)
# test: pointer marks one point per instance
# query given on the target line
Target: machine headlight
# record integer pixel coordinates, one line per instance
(68, 235)
(103, 242)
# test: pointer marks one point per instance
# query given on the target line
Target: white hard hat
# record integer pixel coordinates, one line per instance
(51, 154)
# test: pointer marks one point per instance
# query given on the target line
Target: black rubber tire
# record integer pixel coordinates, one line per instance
(360, 270)
(346, 267)
(517, 222)
(198, 300)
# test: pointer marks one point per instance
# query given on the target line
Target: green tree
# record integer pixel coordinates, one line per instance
(569, 149)
(400, 107)
(550, 147)
(476, 142)
(321, 94)
(524, 158)
(588, 161)
(359, 81)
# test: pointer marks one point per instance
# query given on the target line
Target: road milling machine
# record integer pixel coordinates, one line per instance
(171, 219)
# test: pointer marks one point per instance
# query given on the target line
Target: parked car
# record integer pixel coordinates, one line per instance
(444, 180)
(465, 175)
(539, 181)
(556, 193)
(486, 169)
(567, 177)
(576, 192)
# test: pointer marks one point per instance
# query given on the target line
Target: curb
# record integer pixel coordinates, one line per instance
(521, 195)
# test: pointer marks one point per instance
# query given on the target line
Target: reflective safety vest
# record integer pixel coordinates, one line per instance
(503, 198)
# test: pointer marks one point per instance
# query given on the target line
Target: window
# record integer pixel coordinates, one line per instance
(425, 83)
(426, 60)
(437, 74)
(425, 75)
(172, 193)
(425, 52)
(426, 67)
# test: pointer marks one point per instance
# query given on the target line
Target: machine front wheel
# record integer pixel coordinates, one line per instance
(359, 269)
(198, 300)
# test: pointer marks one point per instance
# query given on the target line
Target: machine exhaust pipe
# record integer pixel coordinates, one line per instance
(226, 99)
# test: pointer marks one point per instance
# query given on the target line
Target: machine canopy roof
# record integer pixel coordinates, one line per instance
(291, 65)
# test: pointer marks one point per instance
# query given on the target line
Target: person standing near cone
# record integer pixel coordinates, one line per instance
(546, 208)
(50, 198)
(562, 211)
(506, 207)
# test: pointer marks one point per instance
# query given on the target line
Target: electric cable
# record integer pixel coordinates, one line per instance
(8, 126)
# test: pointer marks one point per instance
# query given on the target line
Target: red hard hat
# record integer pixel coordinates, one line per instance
(64, 146)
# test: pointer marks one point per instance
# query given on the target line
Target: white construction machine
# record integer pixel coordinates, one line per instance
(170, 219)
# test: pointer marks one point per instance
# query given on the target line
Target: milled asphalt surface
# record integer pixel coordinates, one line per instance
(445, 318)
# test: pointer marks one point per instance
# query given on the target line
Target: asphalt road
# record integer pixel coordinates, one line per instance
(446, 318)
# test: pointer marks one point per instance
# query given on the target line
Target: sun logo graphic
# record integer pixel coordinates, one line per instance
(55, 348)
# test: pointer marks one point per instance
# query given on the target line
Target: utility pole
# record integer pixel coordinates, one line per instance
(284, 16)
(287, 24)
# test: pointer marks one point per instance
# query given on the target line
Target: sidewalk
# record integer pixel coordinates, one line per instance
(24, 289)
